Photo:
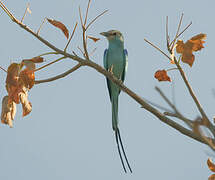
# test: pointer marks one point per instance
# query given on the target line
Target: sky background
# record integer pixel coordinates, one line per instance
(68, 134)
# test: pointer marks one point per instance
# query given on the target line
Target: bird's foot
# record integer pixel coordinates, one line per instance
(110, 69)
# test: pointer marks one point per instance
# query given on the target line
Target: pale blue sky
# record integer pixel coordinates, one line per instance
(68, 135)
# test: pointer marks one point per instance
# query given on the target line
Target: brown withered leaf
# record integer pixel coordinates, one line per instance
(161, 75)
(186, 49)
(12, 82)
(8, 111)
(26, 105)
(13, 74)
(93, 38)
(27, 77)
(37, 59)
(211, 165)
(212, 177)
(59, 25)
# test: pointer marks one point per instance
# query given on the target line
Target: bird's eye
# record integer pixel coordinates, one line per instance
(114, 34)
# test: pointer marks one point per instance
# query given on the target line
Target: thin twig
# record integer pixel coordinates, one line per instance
(48, 53)
(176, 115)
(93, 51)
(202, 112)
(167, 36)
(26, 10)
(81, 51)
(176, 35)
(96, 19)
(158, 49)
(60, 75)
(3, 69)
(44, 20)
(171, 69)
(157, 105)
(50, 63)
(7, 11)
(84, 36)
(182, 32)
(85, 21)
(173, 107)
(73, 32)
(82, 24)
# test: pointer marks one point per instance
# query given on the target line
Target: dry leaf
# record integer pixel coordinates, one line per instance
(161, 75)
(37, 59)
(186, 49)
(59, 25)
(211, 165)
(8, 111)
(12, 82)
(27, 78)
(212, 177)
(93, 38)
(26, 105)
(13, 74)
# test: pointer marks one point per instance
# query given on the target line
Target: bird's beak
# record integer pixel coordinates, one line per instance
(106, 34)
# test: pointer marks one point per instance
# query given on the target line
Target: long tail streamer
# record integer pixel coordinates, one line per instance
(118, 139)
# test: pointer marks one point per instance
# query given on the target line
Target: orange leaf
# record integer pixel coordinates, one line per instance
(27, 77)
(186, 49)
(93, 38)
(179, 46)
(26, 105)
(161, 75)
(212, 177)
(13, 74)
(198, 42)
(8, 111)
(12, 82)
(59, 25)
(37, 59)
(211, 165)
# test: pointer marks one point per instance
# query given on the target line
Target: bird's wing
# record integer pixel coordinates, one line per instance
(106, 67)
(125, 54)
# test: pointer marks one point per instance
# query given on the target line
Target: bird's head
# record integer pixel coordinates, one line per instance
(113, 35)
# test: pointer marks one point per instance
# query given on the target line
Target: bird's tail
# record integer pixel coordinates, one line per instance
(117, 134)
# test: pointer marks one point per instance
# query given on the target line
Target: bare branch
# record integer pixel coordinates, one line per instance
(182, 32)
(167, 36)
(202, 112)
(186, 120)
(157, 105)
(177, 113)
(26, 10)
(85, 21)
(60, 75)
(81, 19)
(96, 19)
(49, 64)
(44, 20)
(176, 35)
(73, 32)
(158, 49)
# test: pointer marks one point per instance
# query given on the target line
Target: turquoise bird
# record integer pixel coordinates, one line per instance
(115, 61)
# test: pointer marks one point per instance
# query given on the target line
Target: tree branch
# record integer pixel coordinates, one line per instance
(60, 75)
(202, 112)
